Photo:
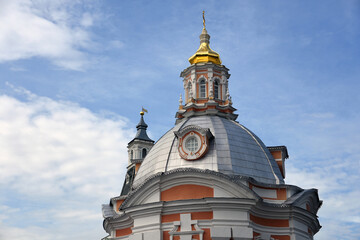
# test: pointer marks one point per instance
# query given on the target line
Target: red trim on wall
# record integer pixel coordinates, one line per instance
(123, 232)
(186, 191)
(281, 237)
(276, 154)
(206, 235)
(269, 222)
(118, 204)
(194, 216)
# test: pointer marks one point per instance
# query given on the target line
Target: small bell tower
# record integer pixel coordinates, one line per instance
(138, 148)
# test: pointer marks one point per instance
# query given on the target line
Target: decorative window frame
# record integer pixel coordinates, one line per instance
(203, 135)
(218, 81)
(142, 152)
(202, 78)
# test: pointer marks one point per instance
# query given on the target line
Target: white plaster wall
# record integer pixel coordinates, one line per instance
(155, 197)
(144, 221)
(230, 215)
(220, 233)
(218, 192)
(243, 233)
(152, 235)
(268, 193)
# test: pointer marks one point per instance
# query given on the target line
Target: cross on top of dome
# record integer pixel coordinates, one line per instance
(205, 53)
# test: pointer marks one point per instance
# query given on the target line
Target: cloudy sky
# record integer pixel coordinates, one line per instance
(75, 73)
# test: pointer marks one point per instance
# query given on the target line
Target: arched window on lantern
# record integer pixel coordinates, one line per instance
(144, 152)
(202, 88)
(216, 90)
(132, 154)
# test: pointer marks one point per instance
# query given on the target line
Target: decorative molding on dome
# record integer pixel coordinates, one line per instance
(212, 108)
(203, 131)
(193, 142)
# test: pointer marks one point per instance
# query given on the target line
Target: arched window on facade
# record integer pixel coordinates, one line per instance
(132, 154)
(202, 89)
(216, 90)
(144, 152)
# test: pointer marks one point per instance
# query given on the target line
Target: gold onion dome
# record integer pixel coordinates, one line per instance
(205, 54)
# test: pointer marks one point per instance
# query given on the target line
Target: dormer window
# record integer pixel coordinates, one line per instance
(202, 89)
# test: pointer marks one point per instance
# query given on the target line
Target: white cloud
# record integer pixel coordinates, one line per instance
(50, 29)
(117, 44)
(60, 162)
(325, 155)
(87, 20)
(337, 181)
(17, 69)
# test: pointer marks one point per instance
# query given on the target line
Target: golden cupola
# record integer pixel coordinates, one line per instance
(205, 54)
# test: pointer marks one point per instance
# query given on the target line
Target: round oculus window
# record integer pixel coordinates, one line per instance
(192, 144)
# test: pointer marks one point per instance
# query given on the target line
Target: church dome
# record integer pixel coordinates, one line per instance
(208, 177)
(232, 149)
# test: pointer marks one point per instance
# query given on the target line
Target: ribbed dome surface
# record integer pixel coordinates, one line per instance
(234, 151)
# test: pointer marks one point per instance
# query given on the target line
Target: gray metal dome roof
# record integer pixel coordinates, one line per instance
(235, 150)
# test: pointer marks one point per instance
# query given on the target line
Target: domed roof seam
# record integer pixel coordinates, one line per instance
(257, 142)
(212, 119)
(172, 145)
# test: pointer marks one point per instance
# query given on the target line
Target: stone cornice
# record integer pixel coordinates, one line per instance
(132, 208)
(205, 66)
(119, 221)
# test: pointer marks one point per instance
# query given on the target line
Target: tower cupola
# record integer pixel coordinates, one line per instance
(138, 148)
(205, 84)
(141, 130)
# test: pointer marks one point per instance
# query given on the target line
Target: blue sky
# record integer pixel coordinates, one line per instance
(75, 74)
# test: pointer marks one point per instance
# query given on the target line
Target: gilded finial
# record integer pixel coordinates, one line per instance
(204, 53)
(143, 111)
(204, 19)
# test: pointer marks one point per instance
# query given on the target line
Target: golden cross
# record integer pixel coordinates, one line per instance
(204, 19)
